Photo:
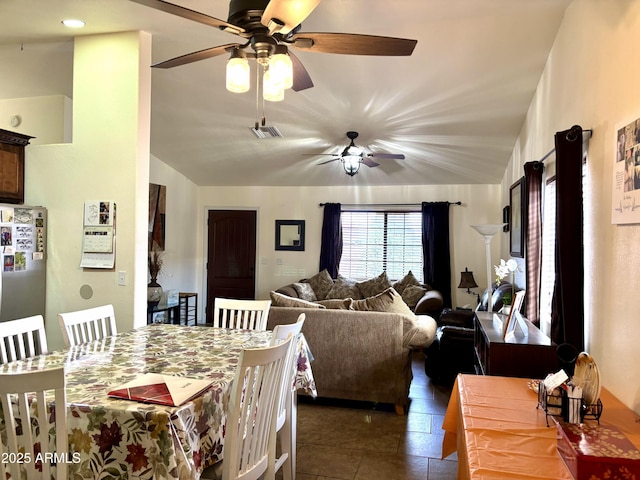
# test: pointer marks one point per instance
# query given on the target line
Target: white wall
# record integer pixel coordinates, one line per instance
(181, 268)
(47, 118)
(591, 80)
(108, 160)
(480, 204)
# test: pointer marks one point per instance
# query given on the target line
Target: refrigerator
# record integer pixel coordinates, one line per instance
(23, 240)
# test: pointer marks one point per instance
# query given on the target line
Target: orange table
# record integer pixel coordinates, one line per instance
(494, 425)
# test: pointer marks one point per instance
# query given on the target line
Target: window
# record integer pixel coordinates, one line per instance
(381, 241)
(548, 269)
(548, 272)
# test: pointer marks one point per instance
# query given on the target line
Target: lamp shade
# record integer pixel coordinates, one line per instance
(351, 164)
(238, 72)
(281, 67)
(467, 280)
(271, 90)
(488, 230)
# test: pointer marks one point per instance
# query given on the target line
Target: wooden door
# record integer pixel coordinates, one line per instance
(231, 261)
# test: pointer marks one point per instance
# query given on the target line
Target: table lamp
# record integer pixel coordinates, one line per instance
(467, 281)
(488, 231)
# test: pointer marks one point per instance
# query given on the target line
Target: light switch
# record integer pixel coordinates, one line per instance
(122, 278)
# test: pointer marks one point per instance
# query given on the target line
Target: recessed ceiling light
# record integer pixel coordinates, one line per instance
(72, 23)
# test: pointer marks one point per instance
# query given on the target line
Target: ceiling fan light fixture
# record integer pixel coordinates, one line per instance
(281, 67)
(354, 151)
(272, 90)
(238, 72)
(351, 164)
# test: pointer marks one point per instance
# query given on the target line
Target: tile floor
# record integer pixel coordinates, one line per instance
(364, 442)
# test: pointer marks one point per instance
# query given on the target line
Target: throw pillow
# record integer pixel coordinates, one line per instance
(280, 300)
(412, 294)
(344, 288)
(305, 291)
(388, 301)
(374, 286)
(337, 304)
(321, 283)
(408, 280)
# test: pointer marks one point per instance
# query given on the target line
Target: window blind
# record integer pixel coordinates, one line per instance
(376, 241)
(548, 271)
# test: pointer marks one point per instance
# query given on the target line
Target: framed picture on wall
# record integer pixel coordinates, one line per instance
(516, 230)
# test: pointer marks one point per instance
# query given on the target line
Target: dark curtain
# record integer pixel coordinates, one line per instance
(331, 246)
(533, 237)
(567, 312)
(435, 247)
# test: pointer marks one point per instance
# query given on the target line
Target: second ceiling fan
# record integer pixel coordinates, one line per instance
(353, 156)
(270, 28)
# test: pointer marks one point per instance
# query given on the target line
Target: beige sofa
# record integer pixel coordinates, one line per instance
(360, 355)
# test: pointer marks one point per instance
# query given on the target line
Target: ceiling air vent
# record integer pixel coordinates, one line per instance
(266, 131)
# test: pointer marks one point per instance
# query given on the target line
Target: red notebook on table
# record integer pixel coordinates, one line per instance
(161, 389)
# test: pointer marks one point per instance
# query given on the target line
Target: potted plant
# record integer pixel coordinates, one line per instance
(154, 289)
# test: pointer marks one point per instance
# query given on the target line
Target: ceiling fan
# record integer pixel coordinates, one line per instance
(269, 28)
(353, 156)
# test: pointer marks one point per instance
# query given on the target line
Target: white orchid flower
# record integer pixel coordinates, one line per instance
(505, 269)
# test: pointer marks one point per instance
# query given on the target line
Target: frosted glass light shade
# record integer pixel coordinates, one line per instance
(272, 91)
(238, 75)
(351, 165)
(489, 229)
(281, 69)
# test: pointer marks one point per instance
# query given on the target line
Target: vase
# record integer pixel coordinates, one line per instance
(154, 293)
(506, 309)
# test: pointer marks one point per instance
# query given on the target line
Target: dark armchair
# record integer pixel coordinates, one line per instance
(452, 350)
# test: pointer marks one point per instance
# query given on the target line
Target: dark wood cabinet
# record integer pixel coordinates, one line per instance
(12, 166)
(531, 356)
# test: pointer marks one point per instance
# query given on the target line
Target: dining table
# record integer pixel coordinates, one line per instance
(112, 438)
(500, 431)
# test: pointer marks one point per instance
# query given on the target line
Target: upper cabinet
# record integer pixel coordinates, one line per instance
(12, 166)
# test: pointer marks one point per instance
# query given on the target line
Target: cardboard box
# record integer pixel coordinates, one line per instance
(593, 451)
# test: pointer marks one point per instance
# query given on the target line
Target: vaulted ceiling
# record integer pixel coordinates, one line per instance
(453, 108)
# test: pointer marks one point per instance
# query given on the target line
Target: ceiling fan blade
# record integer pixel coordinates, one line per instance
(353, 44)
(397, 156)
(301, 78)
(282, 16)
(368, 162)
(191, 15)
(196, 56)
(329, 161)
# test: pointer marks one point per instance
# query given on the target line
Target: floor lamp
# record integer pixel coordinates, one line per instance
(488, 231)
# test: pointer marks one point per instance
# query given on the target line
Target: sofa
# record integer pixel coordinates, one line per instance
(362, 356)
(362, 348)
(419, 297)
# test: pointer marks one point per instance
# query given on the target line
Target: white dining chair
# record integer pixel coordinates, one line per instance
(240, 314)
(22, 338)
(16, 391)
(286, 411)
(86, 325)
(251, 415)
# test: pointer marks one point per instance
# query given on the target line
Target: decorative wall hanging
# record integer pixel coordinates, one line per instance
(290, 235)
(157, 216)
(625, 201)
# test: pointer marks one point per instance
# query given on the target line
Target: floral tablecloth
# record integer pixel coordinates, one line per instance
(119, 439)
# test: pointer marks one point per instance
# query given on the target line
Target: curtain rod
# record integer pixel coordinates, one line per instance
(385, 204)
(552, 151)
